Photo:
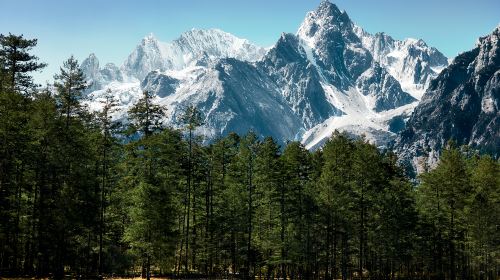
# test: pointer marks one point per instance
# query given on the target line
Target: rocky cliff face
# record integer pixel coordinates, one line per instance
(299, 81)
(461, 105)
(98, 77)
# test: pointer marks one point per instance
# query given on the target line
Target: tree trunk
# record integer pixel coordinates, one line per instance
(282, 231)
(188, 201)
(101, 212)
(250, 213)
(328, 246)
(148, 267)
(345, 254)
(362, 231)
(334, 253)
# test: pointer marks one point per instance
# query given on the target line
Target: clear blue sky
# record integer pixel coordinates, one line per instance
(112, 28)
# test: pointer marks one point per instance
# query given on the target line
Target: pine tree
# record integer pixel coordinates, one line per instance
(43, 113)
(142, 180)
(152, 181)
(107, 141)
(16, 192)
(271, 219)
(70, 83)
(228, 204)
(191, 119)
(368, 180)
(297, 169)
(394, 218)
(483, 214)
(16, 63)
(241, 190)
(14, 144)
(75, 177)
(442, 200)
(146, 116)
(335, 198)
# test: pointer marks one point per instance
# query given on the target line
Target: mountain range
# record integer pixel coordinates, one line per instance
(330, 75)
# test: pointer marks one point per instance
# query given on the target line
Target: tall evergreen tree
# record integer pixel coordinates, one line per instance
(16, 63)
(335, 198)
(271, 218)
(16, 193)
(241, 180)
(443, 196)
(483, 214)
(70, 83)
(297, 169)
(146, 116)
(107, 141)
(191, 119)
(152, 176)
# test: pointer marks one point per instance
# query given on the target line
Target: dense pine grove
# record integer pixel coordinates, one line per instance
(82, 195)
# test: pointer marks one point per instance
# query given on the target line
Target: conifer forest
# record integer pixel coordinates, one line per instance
(83, 195)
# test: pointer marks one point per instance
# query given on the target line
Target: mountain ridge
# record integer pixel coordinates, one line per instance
(329, 75)
(461, 104)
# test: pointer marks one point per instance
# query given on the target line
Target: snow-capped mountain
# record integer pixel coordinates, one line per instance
(462, 104)
(358, 78)
(193, 48)
(330, 75)
(98, 77)
(411, 61)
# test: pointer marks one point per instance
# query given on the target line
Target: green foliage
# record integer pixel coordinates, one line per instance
(70, 83)
(483, 213)
(16, 63)
(145, 116)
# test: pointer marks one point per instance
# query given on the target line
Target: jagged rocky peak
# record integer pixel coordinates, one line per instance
(379, 44)
(286, 50)
(91, 70)
(98, 77)
(338, 51)
(111, 72)
(461, 104)
(149, 39)
(145, 58)
(488, 50)
(411, 61)
(327, 22)
(90, 66)
(327, 8)
(298, 79)
(418, 48)
(150, 44)
(326, 16)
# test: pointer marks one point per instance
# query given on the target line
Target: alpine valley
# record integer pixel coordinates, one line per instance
(324, 156)
(330, 75)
